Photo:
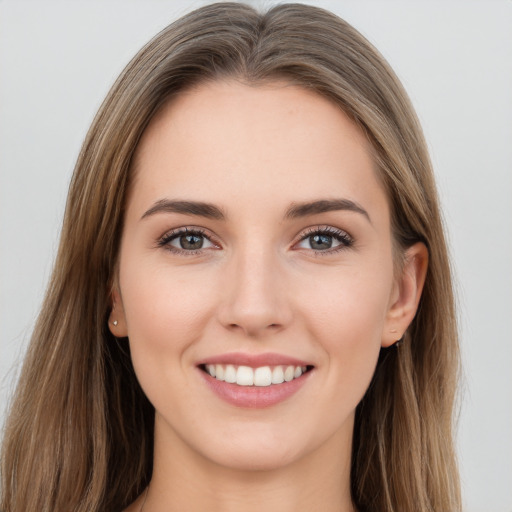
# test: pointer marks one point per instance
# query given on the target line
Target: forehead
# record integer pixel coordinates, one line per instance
(267, 142)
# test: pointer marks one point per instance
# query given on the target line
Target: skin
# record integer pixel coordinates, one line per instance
(257, 285)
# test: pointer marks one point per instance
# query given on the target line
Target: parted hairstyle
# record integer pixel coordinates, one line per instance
(79, 435)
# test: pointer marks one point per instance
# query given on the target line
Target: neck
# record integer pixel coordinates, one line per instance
(185, 481)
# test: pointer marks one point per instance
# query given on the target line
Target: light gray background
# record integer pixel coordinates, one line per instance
(58, 59)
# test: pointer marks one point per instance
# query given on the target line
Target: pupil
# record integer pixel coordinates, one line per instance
(320, 242)
(191, 241)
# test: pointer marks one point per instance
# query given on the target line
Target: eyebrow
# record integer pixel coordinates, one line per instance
(295, 211)
(298, 210)
(208, 210)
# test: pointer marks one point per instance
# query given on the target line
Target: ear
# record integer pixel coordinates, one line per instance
(406, 294)
(117, 319)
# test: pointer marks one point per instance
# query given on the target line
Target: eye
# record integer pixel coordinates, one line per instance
(325, 239)
(186, 240)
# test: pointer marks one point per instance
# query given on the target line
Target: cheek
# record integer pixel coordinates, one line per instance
(166, 310)
(346, 316)
(350, 305)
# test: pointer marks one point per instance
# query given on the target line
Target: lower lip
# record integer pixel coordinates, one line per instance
(254, 397)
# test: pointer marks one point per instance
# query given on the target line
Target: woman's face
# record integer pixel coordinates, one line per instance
(256, 239)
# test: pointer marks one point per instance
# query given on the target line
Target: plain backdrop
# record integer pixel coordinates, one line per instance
(59, 58)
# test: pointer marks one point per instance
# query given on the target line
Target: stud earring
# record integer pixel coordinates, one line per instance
(114, 323)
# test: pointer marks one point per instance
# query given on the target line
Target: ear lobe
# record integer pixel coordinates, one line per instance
(117, 320)
(406, 294)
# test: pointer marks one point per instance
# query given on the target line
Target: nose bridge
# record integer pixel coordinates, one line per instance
(255, 299)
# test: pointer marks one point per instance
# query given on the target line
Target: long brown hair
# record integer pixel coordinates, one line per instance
(79, 436)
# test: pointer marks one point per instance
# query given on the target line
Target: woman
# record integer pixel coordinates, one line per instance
(251, 306)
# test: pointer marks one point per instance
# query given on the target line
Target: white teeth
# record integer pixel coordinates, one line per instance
(247, 376)
(278, 375)
(230, 374)
(288, 373)
(263, 376)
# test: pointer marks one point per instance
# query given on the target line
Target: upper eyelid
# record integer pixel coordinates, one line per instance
(186, 229)
(303, 234)
(320, 228)
(323, 229)
(173, 233)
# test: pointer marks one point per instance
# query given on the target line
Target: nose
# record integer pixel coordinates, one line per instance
(254, 295)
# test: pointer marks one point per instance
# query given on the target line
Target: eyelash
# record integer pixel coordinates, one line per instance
(346, 241)
(165, 241)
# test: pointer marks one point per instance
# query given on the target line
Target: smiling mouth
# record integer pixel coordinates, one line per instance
(256, 377)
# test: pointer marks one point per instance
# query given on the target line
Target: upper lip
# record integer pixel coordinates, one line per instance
(254, 360)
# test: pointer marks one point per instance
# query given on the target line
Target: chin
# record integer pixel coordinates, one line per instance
(256, 459)
(258, 449)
